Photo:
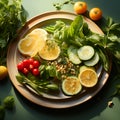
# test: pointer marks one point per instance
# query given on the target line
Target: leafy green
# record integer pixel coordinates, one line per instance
(75, 26)
(79, 34)
(12, 17)
(9, 102)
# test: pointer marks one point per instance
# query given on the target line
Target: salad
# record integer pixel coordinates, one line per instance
(62, 58)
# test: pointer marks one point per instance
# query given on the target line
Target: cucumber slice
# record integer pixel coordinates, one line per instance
(86, 52)
(92, 61)
(72, 54)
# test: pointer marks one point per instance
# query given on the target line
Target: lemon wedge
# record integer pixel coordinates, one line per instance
(32, 42)
(88, 77)
(50, 51)
(71, 85)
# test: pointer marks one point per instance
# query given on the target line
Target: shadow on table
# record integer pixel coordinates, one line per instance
(86, 111)
(5, 87)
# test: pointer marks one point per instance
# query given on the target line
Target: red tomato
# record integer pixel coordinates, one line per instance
(26, 63)
(31, 67)
(20, 66)
(31, 60)
(36, 64)
(35, 72)
(25, 71)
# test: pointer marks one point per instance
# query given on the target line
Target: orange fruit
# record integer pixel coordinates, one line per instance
(71, 85)
(95, 14)
(50, 51)
(88, 77)
(80, 7)
(32, 42)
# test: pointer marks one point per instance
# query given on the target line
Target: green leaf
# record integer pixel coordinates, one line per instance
(109, 21)
(75, 26)
(52, 86)
(104, 58)
(20, 79)
(115, 26)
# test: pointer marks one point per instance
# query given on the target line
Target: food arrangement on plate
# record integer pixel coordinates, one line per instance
(61, 58)
(64, 58)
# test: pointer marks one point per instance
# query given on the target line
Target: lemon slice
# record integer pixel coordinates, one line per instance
(71, 85)
(88, 77)
(50, 51)
(33, 42)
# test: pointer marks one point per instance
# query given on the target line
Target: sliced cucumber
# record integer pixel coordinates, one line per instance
(72, 54)
(92, 61)
(86, 52)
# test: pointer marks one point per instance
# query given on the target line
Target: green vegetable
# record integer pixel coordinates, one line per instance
(59, 6)
(93, 61)
(9, 102)
(2, 112)
(12, 17)
(40, 87)
(73, 56)
(86, 52)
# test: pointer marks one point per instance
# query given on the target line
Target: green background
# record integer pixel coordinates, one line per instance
(95, 109)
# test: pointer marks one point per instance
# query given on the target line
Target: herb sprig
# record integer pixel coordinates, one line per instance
(59, 6)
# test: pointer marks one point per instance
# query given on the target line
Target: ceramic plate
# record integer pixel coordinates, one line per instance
(59, 100)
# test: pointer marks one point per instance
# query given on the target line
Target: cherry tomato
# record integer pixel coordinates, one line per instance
(25, 71)
(31, 60)
(31, 67)
(80, 7)
(95, 14)
(20, 66)
(36, 64)
(35, 71)
(26, 63)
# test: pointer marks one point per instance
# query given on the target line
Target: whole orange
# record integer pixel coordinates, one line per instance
(95, 14)
(80, 7)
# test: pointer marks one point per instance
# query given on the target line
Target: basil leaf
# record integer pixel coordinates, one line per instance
(75, 26)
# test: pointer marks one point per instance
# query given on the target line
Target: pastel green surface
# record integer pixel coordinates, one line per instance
(96, 108)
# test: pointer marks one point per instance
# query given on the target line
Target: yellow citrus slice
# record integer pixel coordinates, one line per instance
(71, 85)
(50, 51)
(32, 42)
(88, 77)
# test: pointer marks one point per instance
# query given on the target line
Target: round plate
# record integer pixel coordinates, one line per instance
(58, 101)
